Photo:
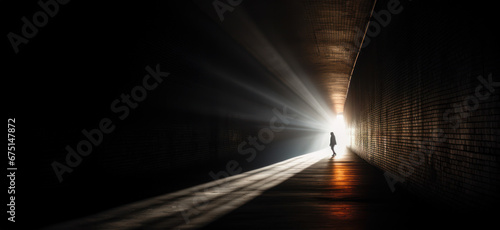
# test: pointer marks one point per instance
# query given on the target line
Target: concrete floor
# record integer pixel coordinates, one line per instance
(343, 192)
(312, 191)
(346, 192)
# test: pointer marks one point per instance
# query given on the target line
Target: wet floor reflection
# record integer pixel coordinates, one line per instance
(347, 190)
(343, 192)
(342, 179)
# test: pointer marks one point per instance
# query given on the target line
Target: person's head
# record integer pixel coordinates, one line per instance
(331, 133)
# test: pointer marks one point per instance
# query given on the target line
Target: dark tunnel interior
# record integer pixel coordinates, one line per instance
(117, 102)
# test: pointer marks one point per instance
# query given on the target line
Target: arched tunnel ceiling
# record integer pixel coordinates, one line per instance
(319, 39)
(336, 29)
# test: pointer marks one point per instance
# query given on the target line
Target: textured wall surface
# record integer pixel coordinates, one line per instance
(423, 104)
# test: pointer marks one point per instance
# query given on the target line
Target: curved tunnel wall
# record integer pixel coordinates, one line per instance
(422, 106)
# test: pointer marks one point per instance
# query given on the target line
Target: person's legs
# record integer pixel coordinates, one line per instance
(333, 150)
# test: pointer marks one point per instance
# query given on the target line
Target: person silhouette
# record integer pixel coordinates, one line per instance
(333, 142)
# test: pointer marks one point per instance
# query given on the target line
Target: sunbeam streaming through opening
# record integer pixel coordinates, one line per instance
(339, 129)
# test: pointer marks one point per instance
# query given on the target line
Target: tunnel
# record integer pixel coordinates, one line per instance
(219, 114)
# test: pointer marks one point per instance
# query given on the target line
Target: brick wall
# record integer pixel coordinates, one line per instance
(418, 109)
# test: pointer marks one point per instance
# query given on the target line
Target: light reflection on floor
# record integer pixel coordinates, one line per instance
(348, 193)
(343, 192)
(197, 206)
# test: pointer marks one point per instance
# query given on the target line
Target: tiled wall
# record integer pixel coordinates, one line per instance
(418, 105)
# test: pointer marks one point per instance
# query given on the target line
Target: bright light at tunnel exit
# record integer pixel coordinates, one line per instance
(338, 128)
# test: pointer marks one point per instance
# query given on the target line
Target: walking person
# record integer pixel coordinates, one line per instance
(333, 142)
